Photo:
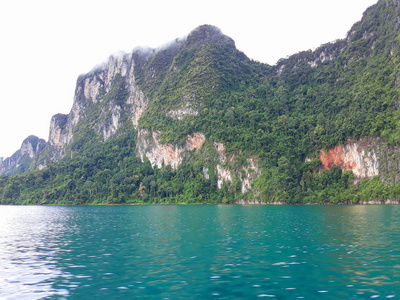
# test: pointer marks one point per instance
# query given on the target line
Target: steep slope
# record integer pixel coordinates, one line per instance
(23, 160)
(107, 102)
(197, 121)
(351, 88)
(187, 81)
(169, 85)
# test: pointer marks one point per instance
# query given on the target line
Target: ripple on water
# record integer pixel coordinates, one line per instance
(203, 251)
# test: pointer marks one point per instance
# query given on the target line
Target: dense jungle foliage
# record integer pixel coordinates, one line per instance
(280, 114)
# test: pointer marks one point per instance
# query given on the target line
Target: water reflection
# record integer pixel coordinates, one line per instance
(369, 255)
(199, 252)
(357, 245)
(29, 239)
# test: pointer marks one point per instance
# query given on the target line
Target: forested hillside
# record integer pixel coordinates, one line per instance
(199, 122)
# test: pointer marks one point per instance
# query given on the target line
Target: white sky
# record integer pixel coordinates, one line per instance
(46, 44)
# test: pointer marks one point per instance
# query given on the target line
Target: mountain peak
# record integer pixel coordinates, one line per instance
(207, 34)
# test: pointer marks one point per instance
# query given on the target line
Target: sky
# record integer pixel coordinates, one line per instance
(47, 44)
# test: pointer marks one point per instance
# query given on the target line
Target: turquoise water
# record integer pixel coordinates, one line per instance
(199, 252)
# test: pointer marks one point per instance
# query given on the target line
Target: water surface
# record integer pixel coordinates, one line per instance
(199, 252)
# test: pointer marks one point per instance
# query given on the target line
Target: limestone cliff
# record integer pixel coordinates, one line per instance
(234, 118)
(149, 146)
(23, 159)
(355, 156)
(102, 97)
(366, 158)
(58, 138)
(227, 169)
(109, 95)
(112, 85)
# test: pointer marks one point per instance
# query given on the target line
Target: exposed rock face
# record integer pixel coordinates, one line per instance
(250, 172)
(245, 174)
(117, 74)
(149, 146)
(103, 76)
(223, 173)
(22, 159)
(138, 102)
(57, 138)
(321, 57)
(31, 146)
(109, 95)
(110, 115)
(180, 113)
(205, 172)
(310, 58)
(354, 156)
(93, 90)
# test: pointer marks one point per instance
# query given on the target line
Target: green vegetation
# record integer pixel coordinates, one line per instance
(110, 173)
(281, 115)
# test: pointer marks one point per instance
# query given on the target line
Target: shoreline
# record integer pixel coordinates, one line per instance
(374, 202)
(241, 202)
